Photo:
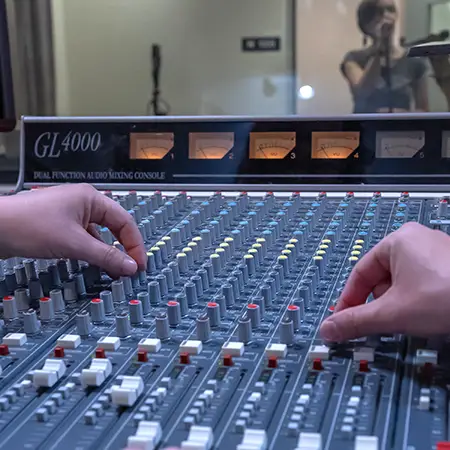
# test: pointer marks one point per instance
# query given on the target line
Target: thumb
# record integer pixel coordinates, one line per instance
(115, 262)
(363, 320)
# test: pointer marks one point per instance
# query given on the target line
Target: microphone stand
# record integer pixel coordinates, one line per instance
(388, 72)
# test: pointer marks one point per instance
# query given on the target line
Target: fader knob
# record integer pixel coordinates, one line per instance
(144, 298)
(154, 292)
(123, 328)
(31, 323)
(203, 328)
(9, 308)
(97, 309)
(58, 300)
(162, 327)
(46, 310)
(83, 323)
(213, 311)
(107, 299)
(182, 300)
(443, 208)
(136, 312)
(118, 291)
(254, 313)
(293, 312)
(173, 313)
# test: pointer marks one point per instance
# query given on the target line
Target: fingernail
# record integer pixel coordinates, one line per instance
(329, 331)
(129, 266)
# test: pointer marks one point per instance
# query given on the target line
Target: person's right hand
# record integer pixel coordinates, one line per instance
(384, 27)
(409, 275)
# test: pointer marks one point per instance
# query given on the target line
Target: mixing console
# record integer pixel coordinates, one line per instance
(216, 346)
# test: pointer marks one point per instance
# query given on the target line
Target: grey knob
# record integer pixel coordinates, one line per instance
(227, 291)
(443, 208)
(127, 286)
(154, 292)
(293, 312)
(283, 261)
(70, 291)
(206, 238)
(234, 282)
(9, 308)
(79, 285)
(159, 219)
(151, 263)
(182, 300)
(46, 309)
(83, 323)
(97, 308)
(21, 275)
(203, 328)
(22, 297)
(173, 266)
(30, 268)
(108, 303)
(244, 270)
(62, 269)
(198, 285)
(304, 292)
(162, 281)
(54, 275)
(245, 329)
(173, 313)
(162, 327)
(31, 323)
(216, 264)
(118, 291)
(287, 331)
(254, 314)
(176, 237)
(144, 298)
(262, 306)
(301, 305)
(35, 289)
(123, 328)
(182, 261)
(74, 265)
(213, 311)
(136, 312)
(58, 300)
(191, 293)
(209, 270)
(266, 293)
(320, 263)
(106, 236)
(220, 300)
(168, 275)
(168, 242)
(203, 274)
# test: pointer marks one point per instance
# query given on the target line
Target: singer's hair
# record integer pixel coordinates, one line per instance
(367, 11)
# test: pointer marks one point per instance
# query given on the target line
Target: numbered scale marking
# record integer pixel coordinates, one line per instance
(275, 145)
(210, 145)
(399, 144)
(150, 145)
(334, 145)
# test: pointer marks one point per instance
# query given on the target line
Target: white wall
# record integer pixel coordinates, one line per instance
(102, 54)
(326, 31)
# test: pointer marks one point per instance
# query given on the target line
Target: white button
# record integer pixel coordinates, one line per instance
(309, 441)
(69, 341)
(200, 438)
(346, 428)
(15, 339)
(255, 398)
(424, 403)
(426, 356)
(425, 391)
(159, 394)
(366, 443)
(52, 371)
(364, 354)
(128, 392)
(319, 352)
(307, 387)
(349, 420)
(207, 397)
(150, 345)
(191, 347)
(354, 402)
(350, 412)
(110, 343)
(303, 400)
(296, 417)
(99, 370)
(277, 350)
(254, 440)
(148, 436)
(233, 348)
(356, 389)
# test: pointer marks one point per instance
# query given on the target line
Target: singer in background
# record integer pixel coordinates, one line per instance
(381, 77)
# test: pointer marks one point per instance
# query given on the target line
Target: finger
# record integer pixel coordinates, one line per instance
(92, 230)
(108, 213)
(373, 269)
(376, 317)
(107, 257)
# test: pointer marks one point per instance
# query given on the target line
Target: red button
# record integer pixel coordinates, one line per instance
(44, 299)
(227, 360)
(364, 366)
(212, 305)
(100, 353)
(331, 309)
(4, 350)
(134, 302)
(293, 308)
(59, 352)
(7, 298)
(443, 446)
(317, 364)
(184, 358)
(96, 300)
(142, 356)
(273, 362)
(172, 303)
(252, 306)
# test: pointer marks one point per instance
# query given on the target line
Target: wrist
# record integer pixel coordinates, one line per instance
(9, 228)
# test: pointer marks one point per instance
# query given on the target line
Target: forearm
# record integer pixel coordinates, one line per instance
(370, 77)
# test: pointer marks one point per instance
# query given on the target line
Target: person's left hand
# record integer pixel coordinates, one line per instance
(58, 222)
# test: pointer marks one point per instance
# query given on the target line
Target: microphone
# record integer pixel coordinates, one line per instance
(439, 37)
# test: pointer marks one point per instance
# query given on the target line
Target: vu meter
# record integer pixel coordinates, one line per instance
(210, 145)
(334, 144)
(446, 144)
(150, 145)
(399, 144)
(276, 145)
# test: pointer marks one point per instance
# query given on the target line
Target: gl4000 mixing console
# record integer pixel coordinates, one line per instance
(216, 345)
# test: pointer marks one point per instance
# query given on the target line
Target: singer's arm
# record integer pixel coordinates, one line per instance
(420, 69)
(362, 81)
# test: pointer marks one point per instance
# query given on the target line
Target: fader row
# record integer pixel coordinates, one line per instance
(216, 345)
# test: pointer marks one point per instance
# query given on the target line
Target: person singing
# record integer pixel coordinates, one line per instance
(381, 77)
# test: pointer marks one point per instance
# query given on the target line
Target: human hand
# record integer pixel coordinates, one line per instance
(408, 274)
(383, 27)
(58, 222)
